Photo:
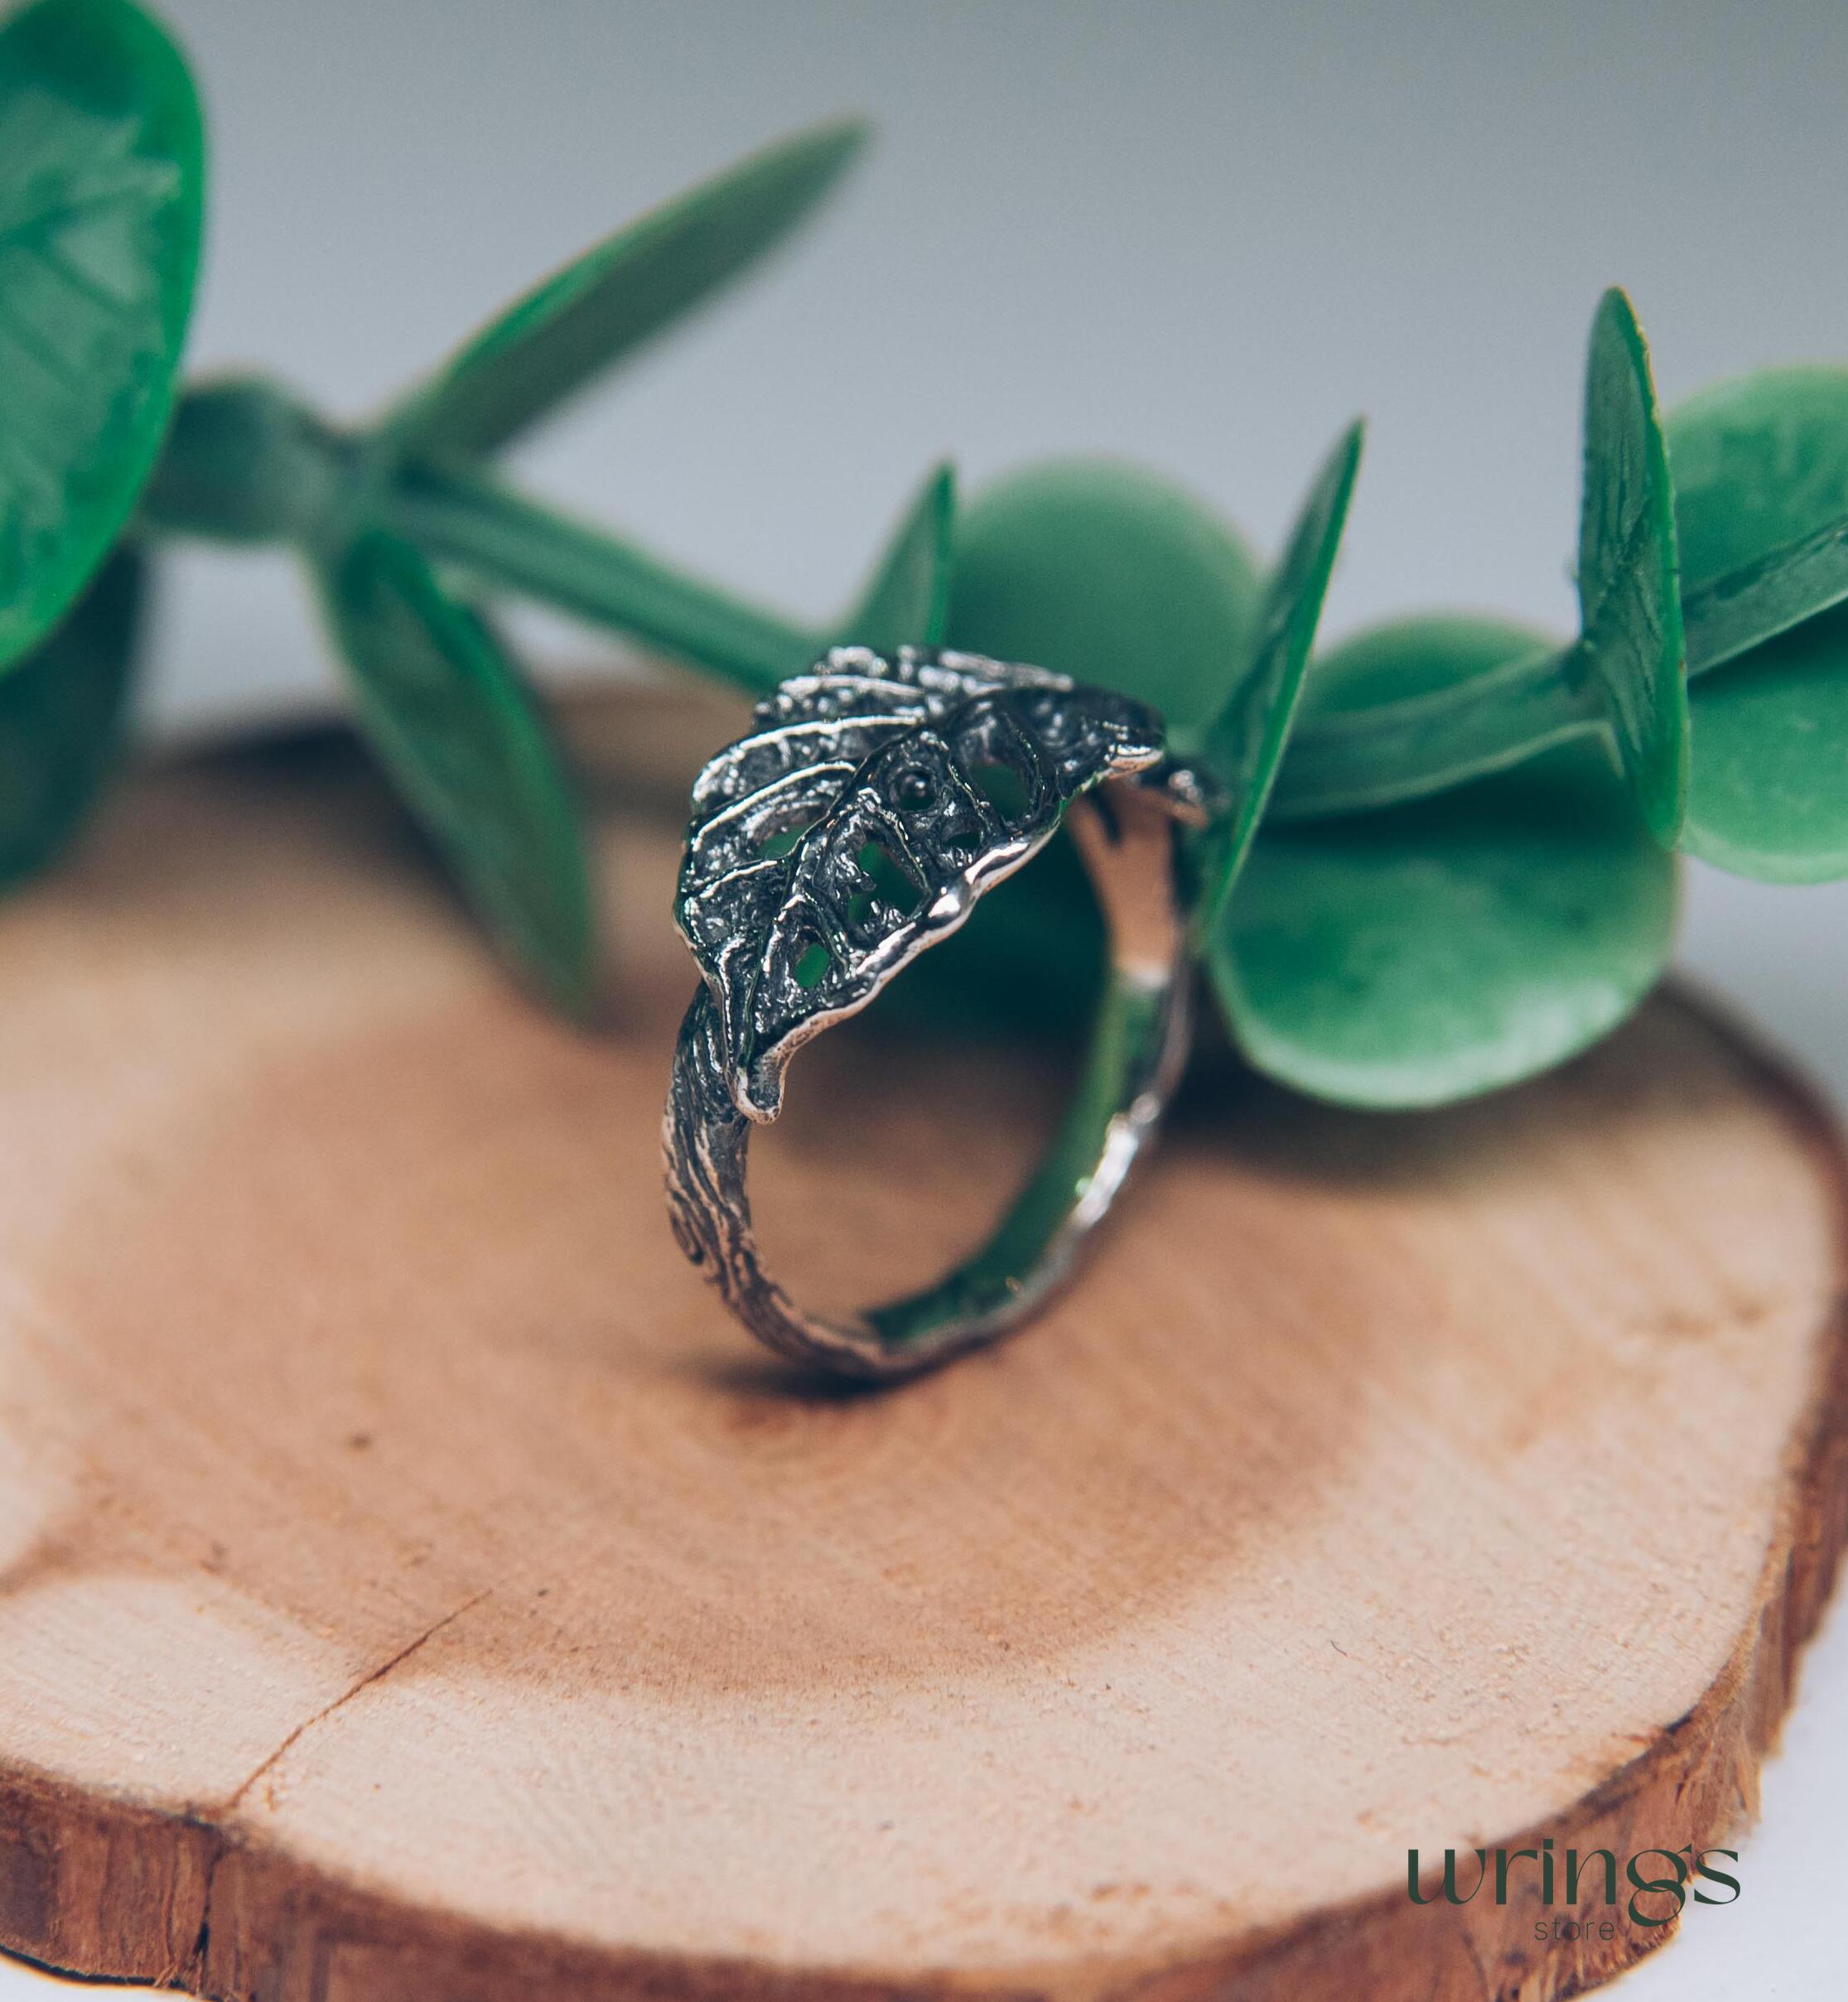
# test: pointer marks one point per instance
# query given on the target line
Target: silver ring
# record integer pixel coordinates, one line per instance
(857, 824)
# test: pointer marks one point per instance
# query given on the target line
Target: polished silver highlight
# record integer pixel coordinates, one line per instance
(874, 801)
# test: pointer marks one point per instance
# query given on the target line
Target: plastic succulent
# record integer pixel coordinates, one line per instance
(1448, 855)
(1454, 862)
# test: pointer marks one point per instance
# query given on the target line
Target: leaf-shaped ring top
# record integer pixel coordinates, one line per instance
(874, 801)
(942, 772)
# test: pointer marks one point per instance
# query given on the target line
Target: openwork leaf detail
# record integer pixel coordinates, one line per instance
(873, 802)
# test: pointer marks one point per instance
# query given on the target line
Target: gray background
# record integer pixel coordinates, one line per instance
(1203, 235)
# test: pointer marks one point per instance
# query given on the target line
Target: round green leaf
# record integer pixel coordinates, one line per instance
(1769, 798)
(61, 713)
(1630, 591)
(465, 741)
(1759, 462)
(101, 195)
(1113, 576)
(618, 294)
(1432, 951)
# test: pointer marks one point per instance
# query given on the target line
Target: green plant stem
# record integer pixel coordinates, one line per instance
(1730, 614)
(1348, 760)
(503, 539)
(246, 462)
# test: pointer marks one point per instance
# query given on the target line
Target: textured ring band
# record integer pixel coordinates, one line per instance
(856, 826)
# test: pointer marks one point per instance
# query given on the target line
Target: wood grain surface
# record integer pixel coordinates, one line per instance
(412, 1586)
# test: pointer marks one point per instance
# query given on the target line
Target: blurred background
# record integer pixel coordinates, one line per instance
(1200, 235)
(1203, 235)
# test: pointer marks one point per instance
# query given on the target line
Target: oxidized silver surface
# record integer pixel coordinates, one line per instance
(857, 824)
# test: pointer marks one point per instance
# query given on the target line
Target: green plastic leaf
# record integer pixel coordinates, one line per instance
(1113, 576)
(1761, 507)
(246, 461)
(1245, 741)
(608, 301)
(1769, 796)
(1435, 950)
(1629, 595)
(907, 603)
(101, 196)
(463, 737)
(61, 714)
(1422, 740)
(1761, 499)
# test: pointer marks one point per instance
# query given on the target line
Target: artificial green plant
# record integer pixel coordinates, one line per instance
(400, 522)
(1448, 859)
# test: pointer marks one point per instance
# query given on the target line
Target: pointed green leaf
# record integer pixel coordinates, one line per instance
(1769, 795)
(467, 744)
(1245, 741)
(617, 295)
(907, 602)
(1435, 950)
(101, 192)
(1628, 593)
(61, 714)
(1113, 576)
(1761, 507)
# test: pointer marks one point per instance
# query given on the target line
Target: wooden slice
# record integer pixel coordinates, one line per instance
(412, 1587)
